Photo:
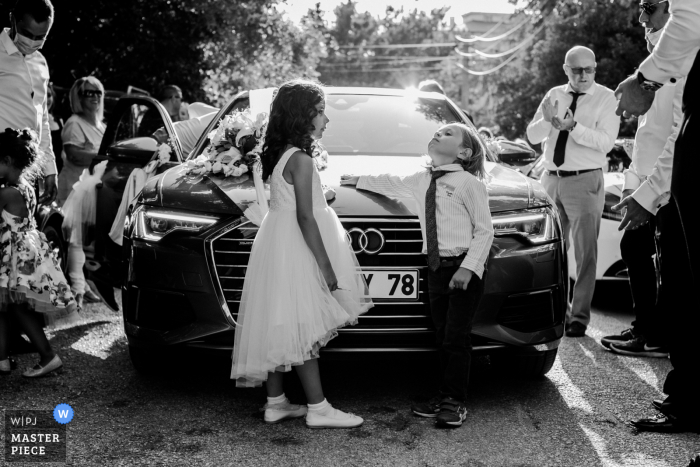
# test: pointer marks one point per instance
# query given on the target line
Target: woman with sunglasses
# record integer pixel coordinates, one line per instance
(82, 136)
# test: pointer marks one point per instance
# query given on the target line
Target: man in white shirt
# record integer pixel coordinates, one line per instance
(577, 124)
(24, 77)
(675, 56)
(654, 142)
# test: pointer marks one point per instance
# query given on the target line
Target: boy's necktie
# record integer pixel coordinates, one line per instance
(431, 222)
(560, 147)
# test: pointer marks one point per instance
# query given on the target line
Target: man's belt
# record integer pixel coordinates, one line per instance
(451, 261)
(569, 173)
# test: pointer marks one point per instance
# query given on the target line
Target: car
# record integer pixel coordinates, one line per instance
(610, 266)
(186, 246)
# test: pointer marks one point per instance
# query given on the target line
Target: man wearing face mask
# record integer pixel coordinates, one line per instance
(645, 196)
(24, 77)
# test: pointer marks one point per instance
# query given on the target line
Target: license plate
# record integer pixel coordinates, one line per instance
(392, 284)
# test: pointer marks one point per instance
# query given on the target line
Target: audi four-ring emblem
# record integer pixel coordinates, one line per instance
(370, 241)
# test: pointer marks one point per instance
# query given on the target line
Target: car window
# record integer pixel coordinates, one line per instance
(383, 125)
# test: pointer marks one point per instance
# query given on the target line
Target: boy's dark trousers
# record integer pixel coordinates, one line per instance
(453, 312)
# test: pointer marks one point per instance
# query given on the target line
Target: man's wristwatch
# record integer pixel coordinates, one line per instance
(647, 84)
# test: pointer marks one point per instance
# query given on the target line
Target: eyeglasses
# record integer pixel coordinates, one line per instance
(579, 71)
(649, 8)
(90, 93)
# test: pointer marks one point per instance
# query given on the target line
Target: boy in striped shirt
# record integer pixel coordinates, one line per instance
(457, 234)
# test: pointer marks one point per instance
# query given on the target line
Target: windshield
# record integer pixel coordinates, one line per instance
(383, 125)
(377, 125)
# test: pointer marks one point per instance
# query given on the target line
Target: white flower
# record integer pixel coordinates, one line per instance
(217, 167)
(243, 167)
(207, 166)
(238, 171)
(227, 157)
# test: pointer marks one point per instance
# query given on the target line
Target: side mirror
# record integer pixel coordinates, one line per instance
(515, 154)
(136, 151)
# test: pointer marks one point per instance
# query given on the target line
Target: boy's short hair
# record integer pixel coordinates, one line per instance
(40, 10)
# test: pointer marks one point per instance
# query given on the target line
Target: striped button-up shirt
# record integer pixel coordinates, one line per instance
(23, 89)
(462, 210)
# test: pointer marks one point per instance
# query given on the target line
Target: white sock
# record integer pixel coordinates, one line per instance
(319, 408)
(276, 400)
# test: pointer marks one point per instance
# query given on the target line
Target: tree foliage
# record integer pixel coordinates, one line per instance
(210, 48)
(609, 27)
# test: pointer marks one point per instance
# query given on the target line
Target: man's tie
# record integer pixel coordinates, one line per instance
(431, 222)
(560, 147)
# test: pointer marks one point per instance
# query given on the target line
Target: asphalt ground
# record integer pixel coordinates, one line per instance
(193, 415)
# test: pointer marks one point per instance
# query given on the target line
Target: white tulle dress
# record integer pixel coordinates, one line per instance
(287, 313)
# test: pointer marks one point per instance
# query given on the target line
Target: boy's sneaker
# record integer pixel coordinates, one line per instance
(278, 412)
(452, 413)
(624, 336)
(429, 409)
(639, 347)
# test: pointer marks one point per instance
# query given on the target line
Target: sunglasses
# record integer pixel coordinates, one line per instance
(650, 8)
(579, 71)
(90, 93)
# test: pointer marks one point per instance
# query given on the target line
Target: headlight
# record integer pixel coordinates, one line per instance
(536, 225)
(155, 223)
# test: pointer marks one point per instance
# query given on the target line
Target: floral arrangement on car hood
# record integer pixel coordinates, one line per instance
(234, 146)
(160, 157)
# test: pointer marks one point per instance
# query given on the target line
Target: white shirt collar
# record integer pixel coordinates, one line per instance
(590, 90)
(7, 42)
(448, 168)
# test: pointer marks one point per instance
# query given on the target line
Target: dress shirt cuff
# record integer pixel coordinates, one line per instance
(362, 183)
(473, 265)
(632, 180)
(648, 198)
(651, 72)
(578, 131)
(49, 167)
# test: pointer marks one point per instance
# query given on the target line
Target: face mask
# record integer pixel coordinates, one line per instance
(25, 45)
(653, 37)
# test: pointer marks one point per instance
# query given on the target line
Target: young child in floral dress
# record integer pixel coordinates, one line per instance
(30, 276)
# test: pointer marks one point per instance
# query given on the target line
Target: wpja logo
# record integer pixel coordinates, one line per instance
(36, 435)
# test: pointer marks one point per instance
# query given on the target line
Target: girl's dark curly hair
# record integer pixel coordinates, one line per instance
(21, 149)
(291, 116)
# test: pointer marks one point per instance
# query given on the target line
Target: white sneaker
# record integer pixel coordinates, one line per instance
(332, 418)
(278, 412)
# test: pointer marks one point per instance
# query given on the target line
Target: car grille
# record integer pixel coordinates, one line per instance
(401, 250)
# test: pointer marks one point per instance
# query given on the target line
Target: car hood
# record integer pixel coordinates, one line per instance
(508, 189)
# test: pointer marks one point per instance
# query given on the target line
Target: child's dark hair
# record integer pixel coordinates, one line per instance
(21, 148)
(474, 164)
(291, 120)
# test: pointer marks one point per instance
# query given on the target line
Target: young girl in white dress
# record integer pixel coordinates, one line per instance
(30, 276)
(303, 281)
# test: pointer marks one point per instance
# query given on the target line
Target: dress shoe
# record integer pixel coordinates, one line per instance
(5, 367)
(106, 293)
(662, 423)
(38, 370)
(575, 329)
(332, 418)
(656, 403)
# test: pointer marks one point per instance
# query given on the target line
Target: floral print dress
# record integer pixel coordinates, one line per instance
(29, 269)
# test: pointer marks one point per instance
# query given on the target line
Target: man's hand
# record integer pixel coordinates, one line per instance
(461, 279)
(549, 111)
(564, 124)
(632, 99)
(50, 190)
(349, 179)
(635, 214)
